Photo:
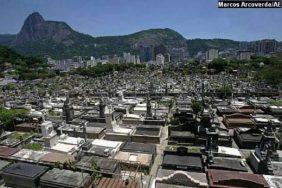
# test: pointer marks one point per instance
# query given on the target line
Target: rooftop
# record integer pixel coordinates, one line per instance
(25, 169)
(7, 151)
(65, 178)
(138, 147)
(183, 162)
(231, 164)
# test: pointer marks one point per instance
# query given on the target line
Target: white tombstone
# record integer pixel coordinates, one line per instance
(47, 129)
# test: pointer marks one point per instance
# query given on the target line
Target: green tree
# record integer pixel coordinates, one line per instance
(218, 64)
(272, 74)
(25, 67)
(11, 86)
(225, 91)
(196, 106)
(7, 116)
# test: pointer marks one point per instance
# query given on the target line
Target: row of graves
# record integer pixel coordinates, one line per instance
(110, 144)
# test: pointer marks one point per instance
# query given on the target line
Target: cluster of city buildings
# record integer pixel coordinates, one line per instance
(159, 56)
(244, 52)
(67, 65)
(262, 47)
(147, 54)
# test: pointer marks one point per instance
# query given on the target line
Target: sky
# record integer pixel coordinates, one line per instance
(191, 18)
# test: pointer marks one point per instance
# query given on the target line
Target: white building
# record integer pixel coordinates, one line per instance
(129, 58)
(245, 55)
(211, 55)
(138, 60)
(92, 62)
(160, 59)
(51, 61)
(201, 56)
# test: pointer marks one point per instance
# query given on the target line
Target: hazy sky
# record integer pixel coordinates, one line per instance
(191, 18)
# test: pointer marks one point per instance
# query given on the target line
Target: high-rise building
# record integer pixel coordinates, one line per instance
(129, 58)
(211, 55)
(244, 46)
(146, 53)
(91, 63)
(160, 59)
(267, 46)
(178, 54)
(167, 57)
(138, 60)
(244, 55)
(261, 47)
(77, 58)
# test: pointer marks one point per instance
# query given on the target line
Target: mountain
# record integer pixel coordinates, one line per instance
(39, 37)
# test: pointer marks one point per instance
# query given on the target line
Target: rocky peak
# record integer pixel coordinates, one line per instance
(33, 19)
(31, 27)
(35, 28)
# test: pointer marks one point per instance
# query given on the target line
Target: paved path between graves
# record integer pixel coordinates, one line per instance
(160, 149)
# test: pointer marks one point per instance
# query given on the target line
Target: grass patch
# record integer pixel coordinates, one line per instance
(276, 102)
(20, 135)
(34, 146)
